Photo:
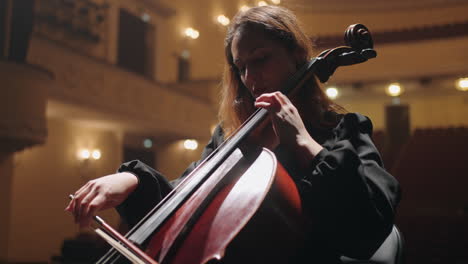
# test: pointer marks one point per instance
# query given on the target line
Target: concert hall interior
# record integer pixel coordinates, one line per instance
(89, 84)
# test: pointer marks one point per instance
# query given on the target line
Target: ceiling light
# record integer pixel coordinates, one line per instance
(462, 84)
(394, 89)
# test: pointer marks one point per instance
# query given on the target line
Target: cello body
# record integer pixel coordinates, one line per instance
(254, 216)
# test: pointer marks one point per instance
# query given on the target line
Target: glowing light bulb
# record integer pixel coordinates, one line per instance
(84, 154)
(223, 20)
(195, 34)
(462, 84)
(192, 33)
(96, 154)
(190, 144)
(394, 89)
(332, 92)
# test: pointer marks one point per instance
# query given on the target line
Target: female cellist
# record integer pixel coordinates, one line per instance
(349, 196)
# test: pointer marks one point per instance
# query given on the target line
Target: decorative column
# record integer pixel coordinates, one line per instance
(397, 131)
(22, 124)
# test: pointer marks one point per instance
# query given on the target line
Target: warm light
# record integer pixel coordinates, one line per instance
(192, 33)
(332, 92)
(84, 154)
(394, 89)
(276, 2)
(462, 84)
(244, 8)
(191, 144)
(262, 3)
(223, 20)
(96, 154)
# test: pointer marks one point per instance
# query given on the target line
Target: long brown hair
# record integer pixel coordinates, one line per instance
(237, 104)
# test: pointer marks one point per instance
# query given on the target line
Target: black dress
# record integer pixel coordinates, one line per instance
(349, 195)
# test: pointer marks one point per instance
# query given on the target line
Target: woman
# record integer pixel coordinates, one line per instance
(338, 171)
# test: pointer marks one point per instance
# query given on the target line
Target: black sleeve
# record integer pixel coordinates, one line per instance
(153, 186)
(350, 196)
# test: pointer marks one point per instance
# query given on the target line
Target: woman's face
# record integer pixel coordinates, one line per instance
(263, 64)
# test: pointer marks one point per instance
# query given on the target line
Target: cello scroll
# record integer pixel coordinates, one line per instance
(360, 48)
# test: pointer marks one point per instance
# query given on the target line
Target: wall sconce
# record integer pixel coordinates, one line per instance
(85, 161)
(190, 144)
(223, 20)
(86, 154)
(191, 33)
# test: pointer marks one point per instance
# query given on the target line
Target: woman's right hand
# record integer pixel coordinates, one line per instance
(100, 194)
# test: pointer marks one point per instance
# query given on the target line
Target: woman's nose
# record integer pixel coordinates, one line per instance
(250, 78)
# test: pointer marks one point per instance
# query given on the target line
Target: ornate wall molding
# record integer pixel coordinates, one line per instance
(111, 94)
(383, 6)
(159, 8)
(23, 122)
(443, 31)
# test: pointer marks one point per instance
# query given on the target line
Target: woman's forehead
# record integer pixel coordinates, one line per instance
(245, 42)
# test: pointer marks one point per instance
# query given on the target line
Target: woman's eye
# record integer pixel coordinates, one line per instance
(253, 63)
(260, 60)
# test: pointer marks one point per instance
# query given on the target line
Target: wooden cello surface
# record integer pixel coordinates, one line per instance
(254, 216)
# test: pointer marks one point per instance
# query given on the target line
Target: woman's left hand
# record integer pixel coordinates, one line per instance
(288, 125)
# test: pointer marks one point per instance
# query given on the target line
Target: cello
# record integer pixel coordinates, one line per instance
(238, 205)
